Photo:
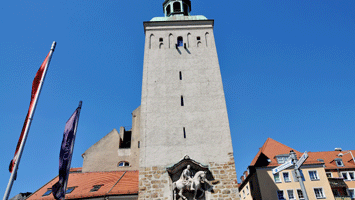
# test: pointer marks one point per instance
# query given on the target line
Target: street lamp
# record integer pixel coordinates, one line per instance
(341, 155)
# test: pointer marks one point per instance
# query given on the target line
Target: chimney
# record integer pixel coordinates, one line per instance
(337, 149)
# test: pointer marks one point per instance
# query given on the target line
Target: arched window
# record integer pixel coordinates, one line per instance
(188, 39)
(180, 41)
(151, 38)
(206, 38)
(171, 40)
(123, 164)
(177, 7)
(186, 10)
(168, 10)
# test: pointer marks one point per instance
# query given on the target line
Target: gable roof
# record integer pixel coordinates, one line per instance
(271, 148)
(113, 183)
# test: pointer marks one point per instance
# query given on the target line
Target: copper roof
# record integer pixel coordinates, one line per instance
(113, 183)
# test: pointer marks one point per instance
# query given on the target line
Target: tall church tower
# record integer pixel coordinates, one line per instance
(184, 125)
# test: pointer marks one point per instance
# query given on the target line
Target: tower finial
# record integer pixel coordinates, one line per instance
(177, 7)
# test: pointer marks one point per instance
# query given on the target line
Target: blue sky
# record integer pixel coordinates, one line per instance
(287, 69)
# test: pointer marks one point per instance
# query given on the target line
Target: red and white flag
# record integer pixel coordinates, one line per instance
(35, 92)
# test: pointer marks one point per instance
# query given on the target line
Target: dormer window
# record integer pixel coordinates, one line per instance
(339, 162)
(281, 159)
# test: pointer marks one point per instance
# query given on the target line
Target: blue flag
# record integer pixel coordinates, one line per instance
(66, 152)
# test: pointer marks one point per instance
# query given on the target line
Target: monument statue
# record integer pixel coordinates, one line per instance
(187, 182)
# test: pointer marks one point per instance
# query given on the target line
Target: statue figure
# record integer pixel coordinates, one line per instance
(186, 177)
(189, 183)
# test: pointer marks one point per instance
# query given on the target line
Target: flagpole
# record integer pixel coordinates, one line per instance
(72, 147)
(28, 124)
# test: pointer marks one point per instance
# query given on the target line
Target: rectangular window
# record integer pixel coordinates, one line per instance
(247, 189)
(329, 174)
(180, 75)
(277, 178)
(280, 159)
(286, 176)
(351, 193)
(243, 194)
(313, 175)
(344, 175)
(300, 194)
(183, 129)
(280, 195)
(182, 100)
(351, 175)
(319, 193)
(290, 194)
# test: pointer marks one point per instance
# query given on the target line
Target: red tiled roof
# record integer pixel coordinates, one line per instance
(84, 182)
(272, 148)
(329, 156)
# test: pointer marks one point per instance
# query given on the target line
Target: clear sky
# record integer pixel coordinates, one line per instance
(288, 69)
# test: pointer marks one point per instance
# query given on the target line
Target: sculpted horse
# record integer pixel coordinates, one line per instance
(181, 185)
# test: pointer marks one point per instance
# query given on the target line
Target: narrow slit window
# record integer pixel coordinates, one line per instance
(182, 100)
(139, 144)
(180, 75)
(184, 132)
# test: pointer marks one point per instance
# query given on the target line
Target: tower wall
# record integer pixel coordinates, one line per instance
(183, 109)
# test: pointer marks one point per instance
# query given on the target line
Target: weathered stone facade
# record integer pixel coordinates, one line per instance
(155, 182)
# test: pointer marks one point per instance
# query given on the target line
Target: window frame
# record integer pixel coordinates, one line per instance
(341, 163)
(298, 195)
(281, 159)
(289, 177)
(283, 195)
(322, 192)
(293, 193)
(316, 175)
(331, 174)
(353, 193)
(278, 174)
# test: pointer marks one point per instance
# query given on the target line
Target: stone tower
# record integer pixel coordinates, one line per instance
(184, 121)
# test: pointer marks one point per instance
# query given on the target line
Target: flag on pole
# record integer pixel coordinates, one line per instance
(35, 92)
(66, 153)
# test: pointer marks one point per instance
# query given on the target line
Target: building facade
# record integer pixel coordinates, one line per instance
(325, 175)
